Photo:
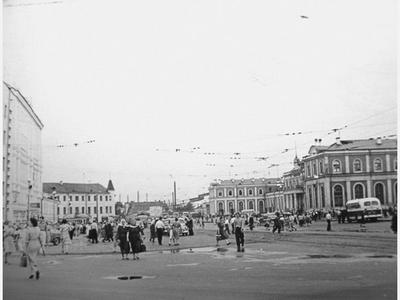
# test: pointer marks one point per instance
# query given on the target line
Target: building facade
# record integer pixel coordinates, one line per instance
(22, 161)
(351, 169)
(85, 200)
(293, 187)
(229, 196)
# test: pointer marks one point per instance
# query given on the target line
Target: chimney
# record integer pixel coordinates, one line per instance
(338, 142)
(379, 140)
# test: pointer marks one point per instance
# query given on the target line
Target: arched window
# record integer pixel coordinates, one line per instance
(338, 195)
(321, 170)
(261, 206)
(240, 192)
(379, 192)
(357, 167)
(230, 205)
(230, 193)
(378, 165)
(251, 205)
(220, 208)
(241, 206)
(219, 193)
(250, 192)
(358, 191)
(336, 166)
(260, 191)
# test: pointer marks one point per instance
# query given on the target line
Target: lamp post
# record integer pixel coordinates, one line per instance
(53, 196)
(29, 199)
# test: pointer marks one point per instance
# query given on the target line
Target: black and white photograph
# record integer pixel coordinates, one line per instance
(214, 149)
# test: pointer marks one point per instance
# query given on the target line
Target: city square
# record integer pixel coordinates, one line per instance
(199, 150)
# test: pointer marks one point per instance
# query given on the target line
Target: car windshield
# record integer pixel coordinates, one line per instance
(353, 205)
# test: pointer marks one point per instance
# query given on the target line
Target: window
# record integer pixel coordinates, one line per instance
(64, 210)
(221, 208)
(336, 166)
(76, 198)
(395, 165)
(58, 210)
(375, 203)
(70, 198)
(230, 205)
(219, 194)
(251, 205)
(95, 209)
(308, 171)
(230, 193)
(77, 210)
(367, 203)
(338, 195)
(65, 198)
(358, 191)
(83, 210)
(110, 210)
(240, 192)
(261, 206)
(270, 189)
(88, 210)
(310, 196)
(260, 191)
(320, 167)
(101, 209)
(378, 165)
(379, 192)
(250, 192)
(101, 198)
(83, 198)
(88, 198)
(106, 209)
(323, 196)
(315, 168)
(357, 165)
(353, 205)
(70, 210)
(241, 206)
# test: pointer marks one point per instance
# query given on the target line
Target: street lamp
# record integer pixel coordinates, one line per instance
(29, 199)
(53, 196)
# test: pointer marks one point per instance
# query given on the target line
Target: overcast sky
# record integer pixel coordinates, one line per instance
(225, 76)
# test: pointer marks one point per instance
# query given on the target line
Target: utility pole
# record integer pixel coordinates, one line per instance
(174, 199)
(137, 197)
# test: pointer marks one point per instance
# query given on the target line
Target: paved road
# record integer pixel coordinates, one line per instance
(300, 265)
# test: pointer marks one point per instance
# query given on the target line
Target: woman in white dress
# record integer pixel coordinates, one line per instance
(32, 245)
(65, 238)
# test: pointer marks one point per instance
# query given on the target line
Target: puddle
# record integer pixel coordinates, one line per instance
(380, 256)
(129, 277)
(318, 256)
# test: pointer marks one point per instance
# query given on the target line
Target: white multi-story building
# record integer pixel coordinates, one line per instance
(229, 196)
(80, 200)
(22, 162)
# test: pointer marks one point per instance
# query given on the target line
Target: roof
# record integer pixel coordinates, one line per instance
(74, 188)
(252, 181)
(368, 144)
(110, 186)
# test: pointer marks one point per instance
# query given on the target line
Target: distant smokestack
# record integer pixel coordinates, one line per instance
(379, 140)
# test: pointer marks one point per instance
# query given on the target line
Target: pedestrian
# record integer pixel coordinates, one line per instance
(93, 232)
(277, 224)
(190, 226)
(65, 236)
(393, 225)
(134, 237)
(175, 227)
(8, 240)
(32, 245)
(233, 224)
(43, 228)
(251, 223)
(71, 231)
(291, 223)
(122, 238)
(222, 231)
(152, 230)
(160, 230)
(239, 232)
(328, 218)
(115, 235)
(227, 225)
